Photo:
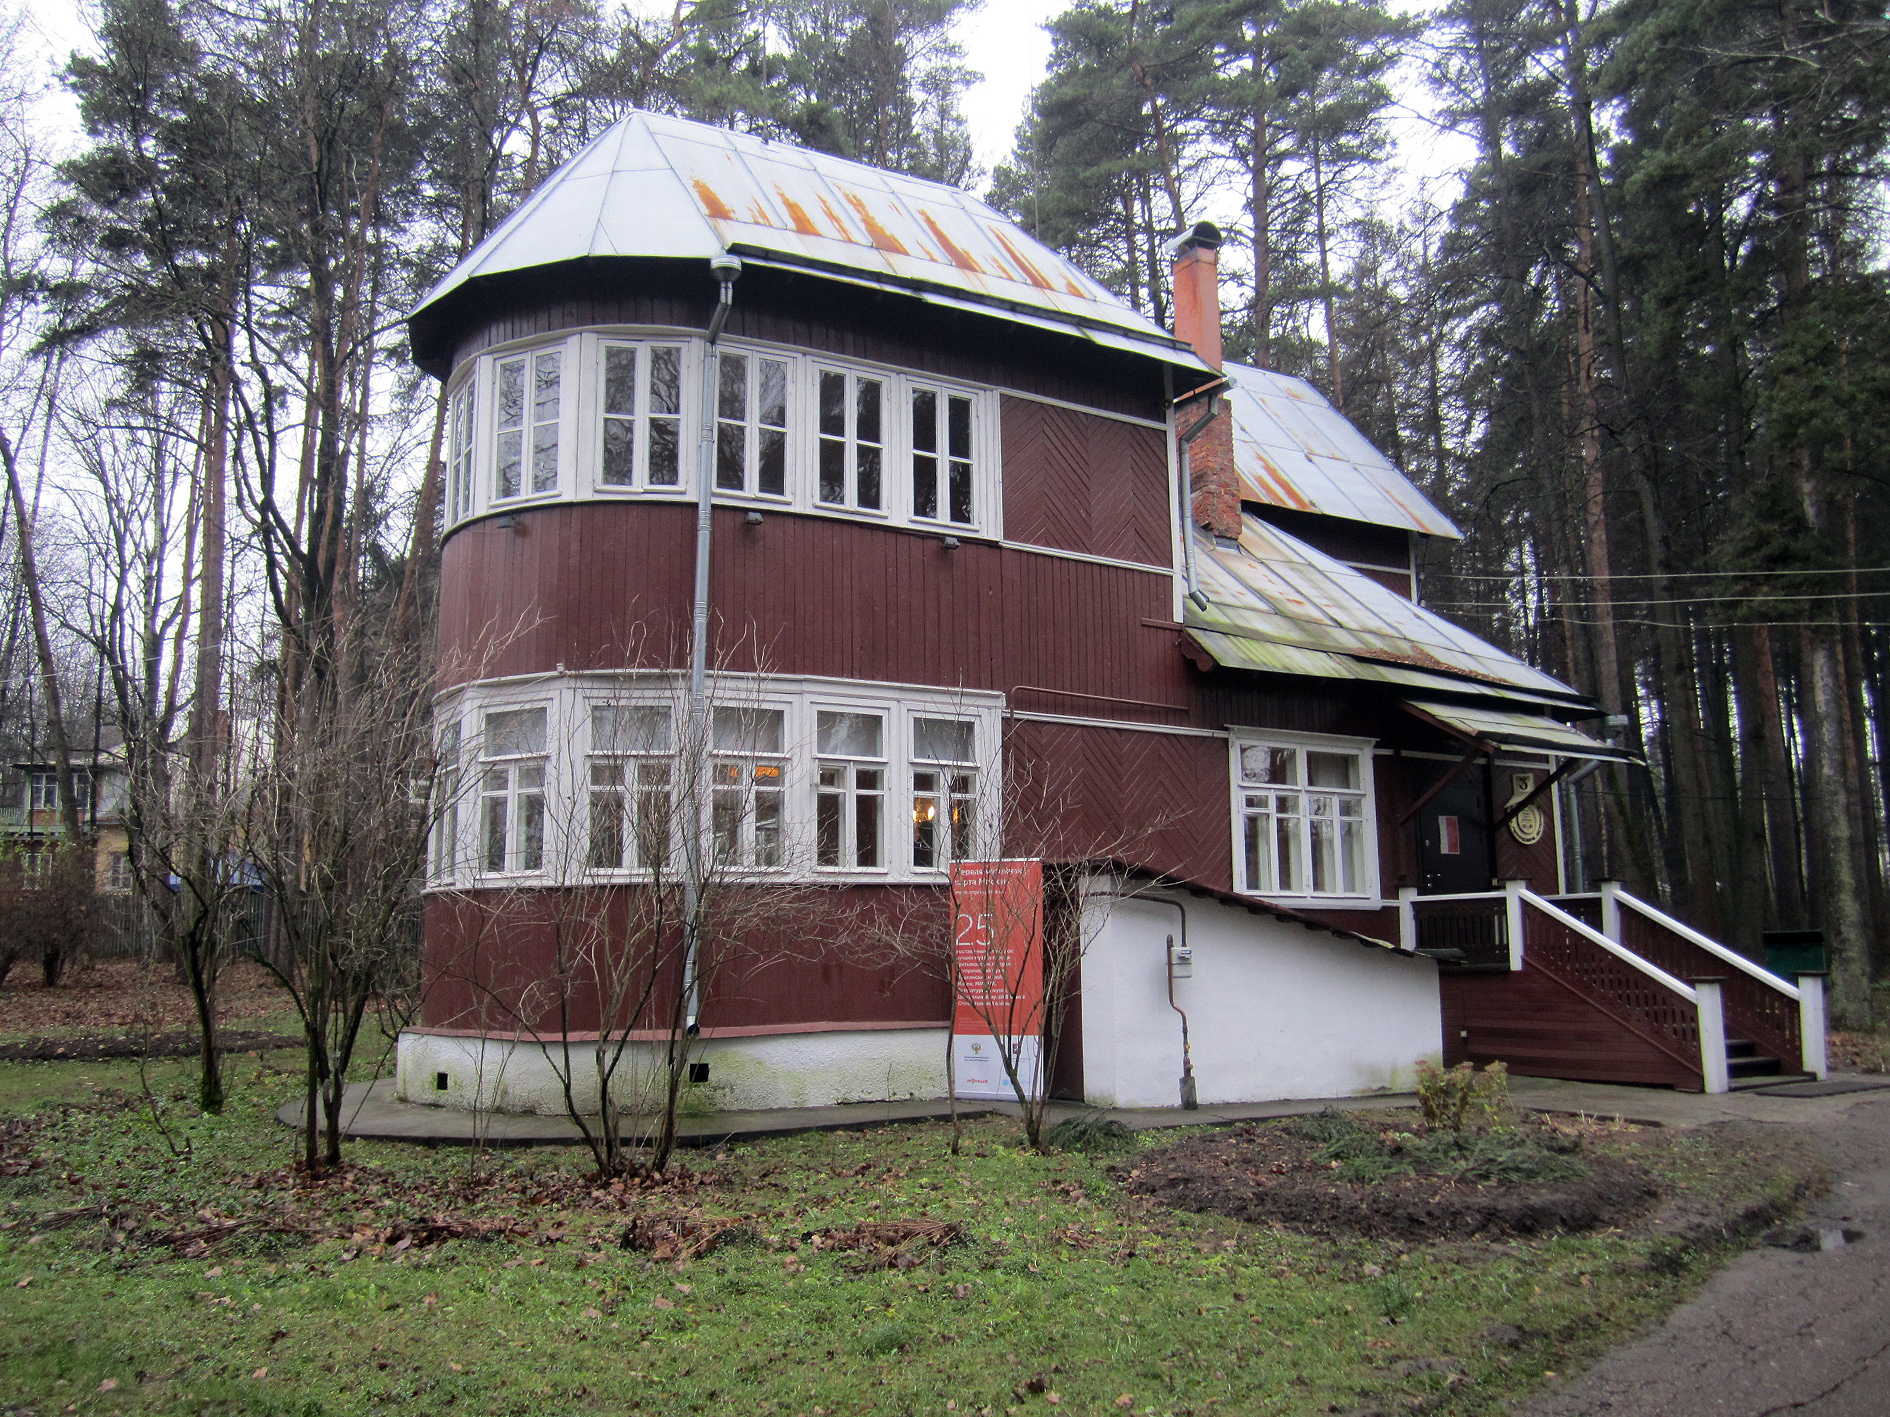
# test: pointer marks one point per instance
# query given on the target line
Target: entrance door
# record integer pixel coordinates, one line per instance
(1454, 856)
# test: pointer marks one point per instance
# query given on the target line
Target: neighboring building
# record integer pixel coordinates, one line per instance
(951, 579)
(31, 819)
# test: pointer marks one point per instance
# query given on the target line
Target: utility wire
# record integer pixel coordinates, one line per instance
(1669, 576)
(1671, 600)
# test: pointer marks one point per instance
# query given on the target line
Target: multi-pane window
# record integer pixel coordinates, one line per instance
(459, 454)
(852, 442)
(42, 789)
(941, 456)
(527, 395)
(512, 791)
(944, 793)
(1303, 820)
(118, 872)
(632, 756)
(751, 424)
(747, 775)
(642, 412)
(446, 829)
(850, 776)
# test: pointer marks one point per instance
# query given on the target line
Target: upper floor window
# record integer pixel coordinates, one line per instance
(459, 455)
(1304, 814)
(529, 392)
(942, 457)
(642, 416)
(852, 440)
(751, 424)
(601, 415)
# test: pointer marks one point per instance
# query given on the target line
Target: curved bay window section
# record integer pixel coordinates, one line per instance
(596, 778)
(602, 415)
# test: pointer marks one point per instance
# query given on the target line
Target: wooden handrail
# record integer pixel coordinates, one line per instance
(1707, 943)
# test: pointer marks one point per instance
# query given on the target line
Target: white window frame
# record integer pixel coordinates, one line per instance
(764, 775)
(564, 423)
(595, 353)
(516, 796)
(1360, 751)
(458, 858)
(859, 787)
(471, 452)
(638, 785)
(955, 791)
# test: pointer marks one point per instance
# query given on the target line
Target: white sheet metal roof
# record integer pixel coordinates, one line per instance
(666, 187)
(1294, 449)
(1278, 606)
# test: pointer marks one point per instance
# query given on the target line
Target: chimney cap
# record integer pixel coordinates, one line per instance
(1205, 236)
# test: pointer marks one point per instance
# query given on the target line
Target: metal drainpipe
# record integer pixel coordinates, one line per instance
(1187, 500)
(1188, 1102)
(725, 268)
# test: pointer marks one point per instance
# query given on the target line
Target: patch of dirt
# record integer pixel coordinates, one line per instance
(129, 994)
(94, 1047)
(1277, 1173)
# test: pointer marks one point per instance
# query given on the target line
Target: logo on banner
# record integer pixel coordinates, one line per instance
(997, 974)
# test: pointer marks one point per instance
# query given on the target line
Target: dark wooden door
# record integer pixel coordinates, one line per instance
(1454, 856)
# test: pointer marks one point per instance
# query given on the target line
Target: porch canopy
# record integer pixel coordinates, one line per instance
(1505, 728)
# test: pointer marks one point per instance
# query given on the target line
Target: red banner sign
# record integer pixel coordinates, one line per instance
(997, 935)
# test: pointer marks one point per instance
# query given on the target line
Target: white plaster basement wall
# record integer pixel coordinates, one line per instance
(776, 1070)
(1275, 1010)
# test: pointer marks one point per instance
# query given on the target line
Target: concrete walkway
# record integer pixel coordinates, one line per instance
(375, 1114)
(1799, 1331)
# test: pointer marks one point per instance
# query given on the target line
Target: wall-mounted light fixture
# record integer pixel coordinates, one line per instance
(950, 543)
(755, 519)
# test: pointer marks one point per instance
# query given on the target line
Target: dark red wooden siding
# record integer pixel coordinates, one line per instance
(528, 961)
(1539, 1028)
(1082, 483)
(605, 585)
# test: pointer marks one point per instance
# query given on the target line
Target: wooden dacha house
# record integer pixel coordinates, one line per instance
(983, 542)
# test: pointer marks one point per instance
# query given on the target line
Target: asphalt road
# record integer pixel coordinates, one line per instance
(1779, 1331)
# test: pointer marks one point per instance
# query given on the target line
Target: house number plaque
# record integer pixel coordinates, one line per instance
(1528, 825)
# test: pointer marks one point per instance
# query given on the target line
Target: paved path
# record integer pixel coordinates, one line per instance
(1778, 1331)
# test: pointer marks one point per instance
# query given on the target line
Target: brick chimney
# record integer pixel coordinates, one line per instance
(1197, 287)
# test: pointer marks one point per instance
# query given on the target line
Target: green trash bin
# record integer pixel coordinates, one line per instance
(1789, 952)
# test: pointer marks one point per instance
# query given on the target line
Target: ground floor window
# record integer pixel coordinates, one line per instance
(788, 776)
(1303, 819)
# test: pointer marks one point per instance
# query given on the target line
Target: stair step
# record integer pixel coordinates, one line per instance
(1743, 1084)
(1741, 1048)
(1754, 1066)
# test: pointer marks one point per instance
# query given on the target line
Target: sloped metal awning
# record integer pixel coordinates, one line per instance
(662, 187)
(1277, 606)
(1293, 449)
(1504, 728)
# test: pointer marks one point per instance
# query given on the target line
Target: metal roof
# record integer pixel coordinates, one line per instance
(1278, 606)
(1509, 729)
(653, 186)
(1293, 449)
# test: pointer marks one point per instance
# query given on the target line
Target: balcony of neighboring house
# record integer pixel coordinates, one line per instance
(1602, 986)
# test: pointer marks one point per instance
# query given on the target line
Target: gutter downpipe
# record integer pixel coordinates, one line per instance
(1188, 1102)
(725, 268)
(1186, 440)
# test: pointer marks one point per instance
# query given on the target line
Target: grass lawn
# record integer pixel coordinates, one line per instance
(139, 1279)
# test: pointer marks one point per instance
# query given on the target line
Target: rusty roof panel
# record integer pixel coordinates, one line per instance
(1509, 729)
(658, 186)
(1276, 604)
(1293, 449)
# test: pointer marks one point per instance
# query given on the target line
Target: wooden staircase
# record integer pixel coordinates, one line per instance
(1606, 988)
